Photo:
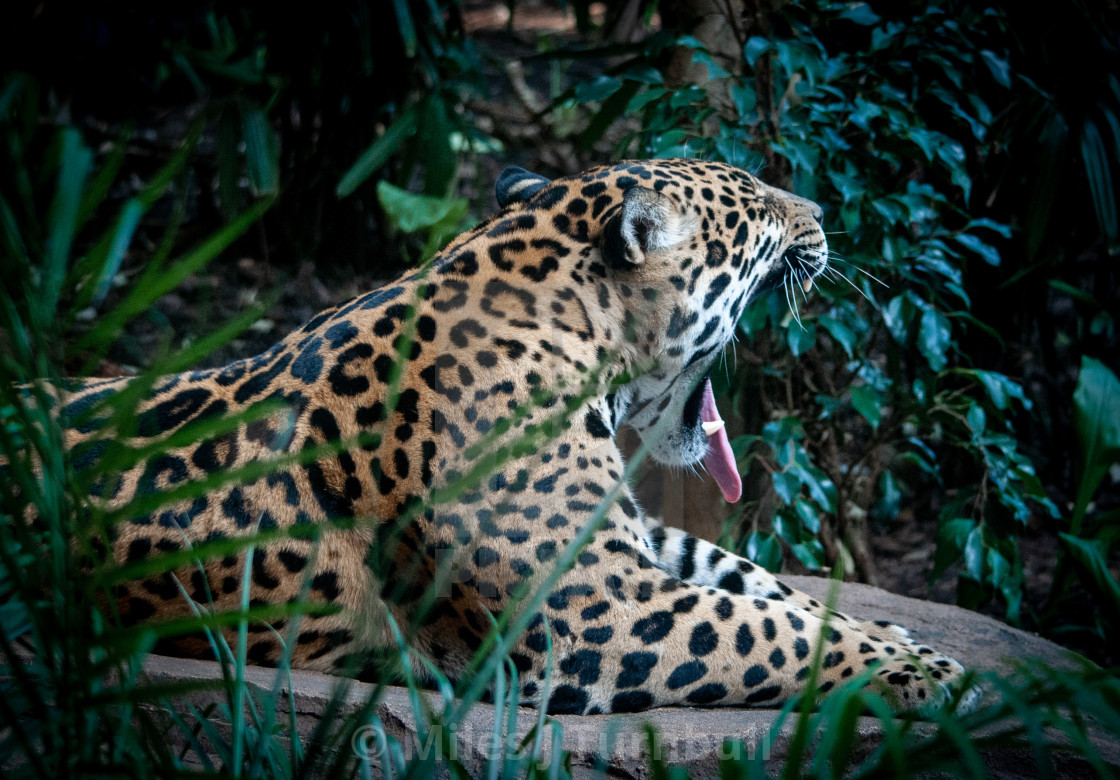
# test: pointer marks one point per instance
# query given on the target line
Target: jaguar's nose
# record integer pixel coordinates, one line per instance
(816, 212)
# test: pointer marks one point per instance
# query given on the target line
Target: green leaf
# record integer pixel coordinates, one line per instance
(260, 151)
(1091, 558)
(744, 98)
(999, 567)
(765, 550)
(786, 485)
(890, 500)
(990, 224)
(974, 553)
(378, 153)
(646, 75)
(755, 48)
(860, 13)
(934, 338)
(787, 527)
(644, 98)
(977, 420)
(866, 401)
(1001, 71)
(808, 515)
(1000, 389)
(1098, 166)
(1096, 425)
(715, 71)
(840, 332)
(897, 315)
(406, 27)
(849, 186)
(951, 539)
(801, 338)
(988, 252)
(74, 166)
(597, 89)
(412, 213)
(809, 553)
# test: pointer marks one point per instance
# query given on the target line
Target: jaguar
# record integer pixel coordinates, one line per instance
(443, 446)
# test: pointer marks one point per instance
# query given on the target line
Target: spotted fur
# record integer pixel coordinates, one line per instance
(585, 302)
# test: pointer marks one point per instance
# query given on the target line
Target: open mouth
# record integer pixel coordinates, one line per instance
(700, 410)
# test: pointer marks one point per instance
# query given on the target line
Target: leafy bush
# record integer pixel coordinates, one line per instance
(303, 112)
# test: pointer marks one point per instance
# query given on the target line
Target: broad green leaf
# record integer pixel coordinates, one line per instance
(801, 338)
(644, 98)
(597, 89)
(860, 13)
(990, 224)
(840, 332)
(787, 526)
(765, 550)
(934, 338)
(974, 553)
(849, 186)
(1096, 425)
(977, 420)
(890, 498)
(410, 212)
(999, 567)
(1001, 71)
(866, 401)
(1000, 389)
(988, 252)
(897, 315)
(808, 515)
(951, 539)
(646, 75)
(821, 489)
(810, 553)
(715, 71)
(786, 485)
(744, 97)
(755, 48)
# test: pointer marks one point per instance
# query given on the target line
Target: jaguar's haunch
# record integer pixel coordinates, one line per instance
(628, 280)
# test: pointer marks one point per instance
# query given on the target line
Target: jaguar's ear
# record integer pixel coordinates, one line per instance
(647, 221)
(517, 185)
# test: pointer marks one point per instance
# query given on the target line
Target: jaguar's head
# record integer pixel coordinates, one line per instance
(686, 245)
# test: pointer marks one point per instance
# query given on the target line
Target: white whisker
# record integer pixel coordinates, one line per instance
(855, 287)
(849, 263)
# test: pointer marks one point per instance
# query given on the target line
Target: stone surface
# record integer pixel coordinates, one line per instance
(693, 737)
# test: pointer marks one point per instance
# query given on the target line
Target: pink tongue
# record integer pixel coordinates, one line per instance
(720, 461)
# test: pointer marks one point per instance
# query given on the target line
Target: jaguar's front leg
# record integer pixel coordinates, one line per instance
(700, 562)
(627, 636)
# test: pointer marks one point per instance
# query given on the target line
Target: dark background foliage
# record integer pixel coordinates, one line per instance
(949, 392)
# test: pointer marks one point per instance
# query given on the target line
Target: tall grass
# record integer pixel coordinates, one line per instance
(74, 699)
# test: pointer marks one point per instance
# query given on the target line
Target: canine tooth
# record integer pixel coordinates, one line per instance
(807, 284)
(711, 427)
